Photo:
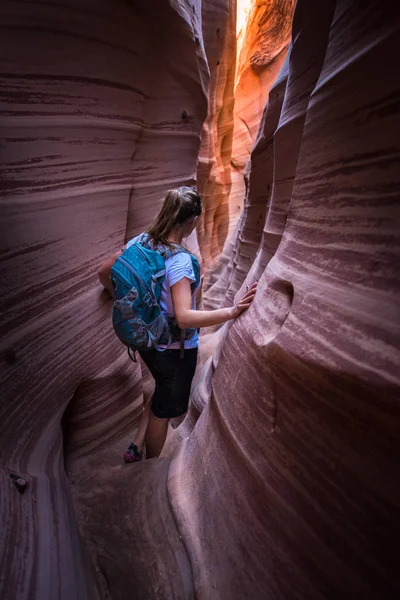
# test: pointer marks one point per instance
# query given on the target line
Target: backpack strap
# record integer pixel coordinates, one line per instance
(143, 239)
(134, 359)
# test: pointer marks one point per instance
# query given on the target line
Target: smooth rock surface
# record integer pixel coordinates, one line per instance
(214, 162)
(91, 106)
(303, 414)
(286, 486)
(237, 95)
(282, 482)
(263, 46)
(233, 265)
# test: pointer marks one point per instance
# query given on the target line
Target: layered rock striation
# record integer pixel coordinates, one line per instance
(301, 404)
(93, 131)
(262, 48)
(214, 161)
(282, 481)
(242, 74)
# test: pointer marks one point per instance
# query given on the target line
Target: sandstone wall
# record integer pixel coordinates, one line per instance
(263, 47)
(239, 253)
(92, 103)
(271, 169)
(282, 481)
(237, 94)
(296, 450)
(214, 162)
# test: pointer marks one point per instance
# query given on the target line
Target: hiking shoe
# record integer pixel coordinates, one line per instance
(132, 454)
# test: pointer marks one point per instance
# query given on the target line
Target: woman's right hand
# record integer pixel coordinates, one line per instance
(244, 302)
(187, 317)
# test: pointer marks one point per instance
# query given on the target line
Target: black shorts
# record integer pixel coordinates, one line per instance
(173, 376)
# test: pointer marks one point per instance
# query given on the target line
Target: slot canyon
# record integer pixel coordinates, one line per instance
(282, 480)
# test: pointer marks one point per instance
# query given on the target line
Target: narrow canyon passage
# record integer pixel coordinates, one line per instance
(282, 480)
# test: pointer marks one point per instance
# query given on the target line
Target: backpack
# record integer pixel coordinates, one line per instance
(137, 277)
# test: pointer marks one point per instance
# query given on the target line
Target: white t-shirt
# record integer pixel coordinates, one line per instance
(177, 267)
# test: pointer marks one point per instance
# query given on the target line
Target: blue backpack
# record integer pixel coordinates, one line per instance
(137, 277)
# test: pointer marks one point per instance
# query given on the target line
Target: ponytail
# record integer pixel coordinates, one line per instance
(180, 206)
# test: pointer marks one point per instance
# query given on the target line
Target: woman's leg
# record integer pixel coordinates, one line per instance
(173, 377)
(144, 419)
(156, 434)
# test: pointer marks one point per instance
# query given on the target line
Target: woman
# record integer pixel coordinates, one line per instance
(173, 374)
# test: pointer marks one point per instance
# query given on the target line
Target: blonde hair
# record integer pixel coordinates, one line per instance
(179, 207)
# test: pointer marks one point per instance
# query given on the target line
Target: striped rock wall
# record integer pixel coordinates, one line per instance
(214, 161)
(283, 480)
(287, 486)
(263, 46)
(92, 132)
(239, 88)
(239, 253)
